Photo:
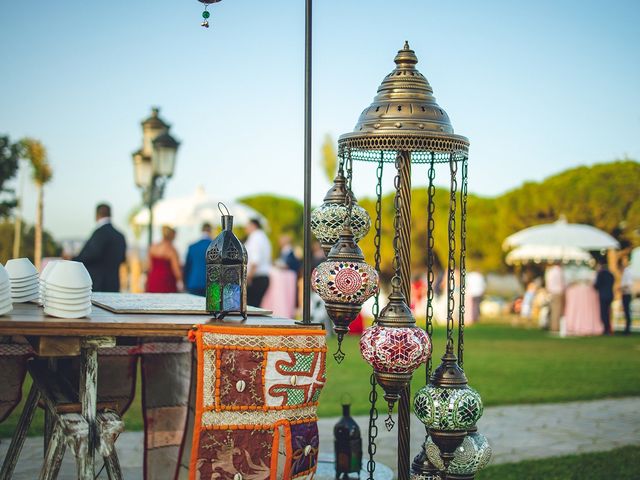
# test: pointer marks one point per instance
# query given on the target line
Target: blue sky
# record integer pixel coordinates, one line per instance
(537, 87)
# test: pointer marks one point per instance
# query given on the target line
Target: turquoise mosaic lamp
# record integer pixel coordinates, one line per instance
(226, 260)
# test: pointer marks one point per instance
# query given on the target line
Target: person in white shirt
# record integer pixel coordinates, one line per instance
(475, 288)
(554, 282)
(258, 262)
(626, 286)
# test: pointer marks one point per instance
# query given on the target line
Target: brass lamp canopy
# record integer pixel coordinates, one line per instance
(404, 115)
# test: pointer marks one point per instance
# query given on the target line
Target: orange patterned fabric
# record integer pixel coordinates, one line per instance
(256, 397)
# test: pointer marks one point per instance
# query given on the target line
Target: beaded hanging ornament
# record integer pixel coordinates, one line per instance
(206, 14)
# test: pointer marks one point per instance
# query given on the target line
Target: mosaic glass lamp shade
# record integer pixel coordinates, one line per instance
(328, 219)
(471, 456)
(448, 407)
(226, 260)
(344, 282)
(394, 346)
(422, 469)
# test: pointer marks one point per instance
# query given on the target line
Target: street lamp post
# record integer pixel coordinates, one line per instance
(155, 162)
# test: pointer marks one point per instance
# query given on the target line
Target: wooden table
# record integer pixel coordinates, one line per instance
(53, 337)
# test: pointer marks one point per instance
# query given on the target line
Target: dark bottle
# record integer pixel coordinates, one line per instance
(348, 445)
(226, 260)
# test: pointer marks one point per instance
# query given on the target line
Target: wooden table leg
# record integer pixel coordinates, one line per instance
(54, 454)
(17, 441)
(89, 396)
(49, 419)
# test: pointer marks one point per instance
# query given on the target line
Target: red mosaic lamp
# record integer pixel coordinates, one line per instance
(395, 347)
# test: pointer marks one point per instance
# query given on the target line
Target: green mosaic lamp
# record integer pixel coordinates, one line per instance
(226, 260)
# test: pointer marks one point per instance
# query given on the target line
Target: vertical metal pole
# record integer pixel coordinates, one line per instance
(150, 207)
(404, 409)
(306, 280)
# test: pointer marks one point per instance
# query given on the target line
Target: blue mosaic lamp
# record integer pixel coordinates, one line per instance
(226, 260)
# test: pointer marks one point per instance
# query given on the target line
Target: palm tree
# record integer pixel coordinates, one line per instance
(42, 173)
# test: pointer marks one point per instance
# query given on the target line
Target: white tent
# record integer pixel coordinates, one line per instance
(193, 210)
(547, 253)
(562, 234)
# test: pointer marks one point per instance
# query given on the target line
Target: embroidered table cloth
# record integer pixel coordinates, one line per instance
(255, 406)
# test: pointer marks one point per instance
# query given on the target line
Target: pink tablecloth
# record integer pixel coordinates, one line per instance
(280, 297)
(582, 311)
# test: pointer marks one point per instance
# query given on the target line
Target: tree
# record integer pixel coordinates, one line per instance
(42, 173)
(9, 161)
(329, 158)
(49, 247)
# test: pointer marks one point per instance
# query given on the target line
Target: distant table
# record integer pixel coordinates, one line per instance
(55, 337)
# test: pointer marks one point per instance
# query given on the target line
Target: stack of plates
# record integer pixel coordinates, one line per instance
(5, 292)
(66, 288)
(24, 280)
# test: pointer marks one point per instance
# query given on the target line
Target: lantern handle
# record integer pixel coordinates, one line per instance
(220, 205)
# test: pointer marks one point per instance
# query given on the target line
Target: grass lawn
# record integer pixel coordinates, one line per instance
(621, 464)
(506, 365)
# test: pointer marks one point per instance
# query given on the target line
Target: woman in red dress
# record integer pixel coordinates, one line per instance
(165, 274)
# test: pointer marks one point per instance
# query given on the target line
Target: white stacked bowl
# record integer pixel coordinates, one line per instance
(6, 305)
(23, 276)
(67, 290)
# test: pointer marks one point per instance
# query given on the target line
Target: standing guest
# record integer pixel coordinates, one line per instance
(626, 287)
(165, 274)
(554, 282)
(258, 262)
(104, 252)
(475, 287)
(604, 286)
(288, 257)
(195, 266)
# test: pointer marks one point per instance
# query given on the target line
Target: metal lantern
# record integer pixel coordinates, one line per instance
(344, 281)
(226, 260)
(327, 221)
(471, 456)
(422, 468)
(406, 128)
(395, 347)
(448, 407)
(348, 445)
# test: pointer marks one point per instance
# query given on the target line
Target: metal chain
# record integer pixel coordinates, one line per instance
(373, 394)
(430, 261)
(348, 201)
(396, 222)
(463, 259)
(451, 264)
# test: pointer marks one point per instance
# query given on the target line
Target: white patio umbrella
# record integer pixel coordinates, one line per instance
(562, 234)
(547, 253)
(195, 209)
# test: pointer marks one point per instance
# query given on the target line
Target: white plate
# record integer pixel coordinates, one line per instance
(4, 275)
(5, 304)
(32, 298)
(66, 289)
(4, 311)
(19, 268)
(20, 281)
(66, 295)
(67, 301)
(54, 312)
(21, 292)
(70, 275)
(65, 306)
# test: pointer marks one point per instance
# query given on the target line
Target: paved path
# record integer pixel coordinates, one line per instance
(515, 433)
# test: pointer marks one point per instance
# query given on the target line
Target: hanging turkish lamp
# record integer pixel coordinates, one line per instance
(394, 347)
(448, 407)
(328, 219)
(226, 264)
(206, 14)
(344, 281)
(471, 456)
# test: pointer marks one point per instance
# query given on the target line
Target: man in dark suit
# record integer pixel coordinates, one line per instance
(104, 252)
(195, 266)
(604, 286)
